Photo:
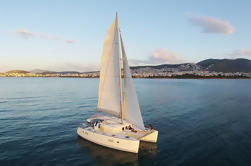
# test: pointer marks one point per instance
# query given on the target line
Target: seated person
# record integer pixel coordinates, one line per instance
(150, 127)
(133, 130)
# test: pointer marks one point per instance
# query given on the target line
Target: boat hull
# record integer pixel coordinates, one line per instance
(152, 137)
(126, 145)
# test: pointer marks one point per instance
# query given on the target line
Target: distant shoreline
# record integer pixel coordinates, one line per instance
(181, 71)
(154, 77)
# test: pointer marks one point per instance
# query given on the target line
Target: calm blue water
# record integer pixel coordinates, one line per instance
(200, 122)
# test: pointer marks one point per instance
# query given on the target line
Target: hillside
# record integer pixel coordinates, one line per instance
(226, 65)
(217, 65)
(170, 67)
(18, 71)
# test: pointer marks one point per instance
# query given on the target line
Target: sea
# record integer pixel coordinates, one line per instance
(200, 122)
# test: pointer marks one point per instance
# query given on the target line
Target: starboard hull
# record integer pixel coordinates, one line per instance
(152, 137)
(126, 145)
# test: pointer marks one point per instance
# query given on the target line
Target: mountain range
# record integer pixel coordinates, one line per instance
(226, 65)
(212, 65)
(216, 65)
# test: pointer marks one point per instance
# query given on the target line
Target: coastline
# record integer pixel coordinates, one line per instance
(135, 74)
(153, 77)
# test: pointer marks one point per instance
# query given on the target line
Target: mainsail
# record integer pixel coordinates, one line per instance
(131, 110)
(109, 96)
(110, 84)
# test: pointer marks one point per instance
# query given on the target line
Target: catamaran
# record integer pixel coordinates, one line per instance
(122, 126)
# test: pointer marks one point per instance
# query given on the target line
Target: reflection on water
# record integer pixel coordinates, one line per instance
(148, 147)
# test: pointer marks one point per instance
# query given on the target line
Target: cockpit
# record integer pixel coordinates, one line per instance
(95, 122)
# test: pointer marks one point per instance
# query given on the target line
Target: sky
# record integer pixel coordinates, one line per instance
(63, 35)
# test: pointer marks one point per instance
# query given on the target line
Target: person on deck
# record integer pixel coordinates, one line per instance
(150, 127)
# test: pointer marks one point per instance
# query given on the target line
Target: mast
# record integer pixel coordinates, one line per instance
(120, 73)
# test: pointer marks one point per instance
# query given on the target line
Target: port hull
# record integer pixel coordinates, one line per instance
(123, 144)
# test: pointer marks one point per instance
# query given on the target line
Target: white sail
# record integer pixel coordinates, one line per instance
(109, 96)
(131, 109)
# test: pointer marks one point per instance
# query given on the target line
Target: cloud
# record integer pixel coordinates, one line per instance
(241, 53)
(159, 56)
(212, 25)
(25, 34)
